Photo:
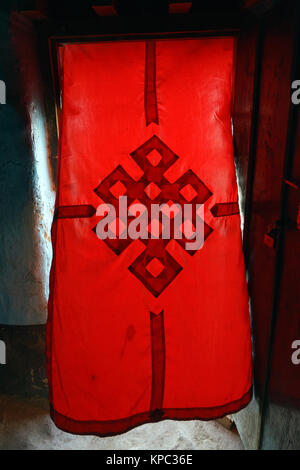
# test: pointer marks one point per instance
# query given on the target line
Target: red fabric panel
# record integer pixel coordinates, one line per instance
(109, 360)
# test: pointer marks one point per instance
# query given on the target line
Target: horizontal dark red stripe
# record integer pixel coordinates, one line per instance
(72, 212)
(224, 209)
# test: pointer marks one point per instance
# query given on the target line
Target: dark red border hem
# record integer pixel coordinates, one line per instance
(111, 428)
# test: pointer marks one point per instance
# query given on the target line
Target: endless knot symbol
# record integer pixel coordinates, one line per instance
(154, 267)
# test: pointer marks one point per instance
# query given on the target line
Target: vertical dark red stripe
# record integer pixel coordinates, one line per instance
(158, 364)
(151, 111)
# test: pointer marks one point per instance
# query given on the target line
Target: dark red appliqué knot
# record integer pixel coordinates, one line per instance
(154, 267)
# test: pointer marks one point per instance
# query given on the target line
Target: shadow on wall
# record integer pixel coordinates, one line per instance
(24, 373)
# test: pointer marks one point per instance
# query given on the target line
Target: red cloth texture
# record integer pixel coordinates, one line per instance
(143, 330)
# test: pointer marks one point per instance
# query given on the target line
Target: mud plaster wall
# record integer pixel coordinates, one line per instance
(26, 184)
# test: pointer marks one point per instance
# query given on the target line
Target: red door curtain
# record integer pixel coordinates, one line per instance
(146, 323)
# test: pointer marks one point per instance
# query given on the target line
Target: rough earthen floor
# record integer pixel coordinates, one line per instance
(25, 424)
